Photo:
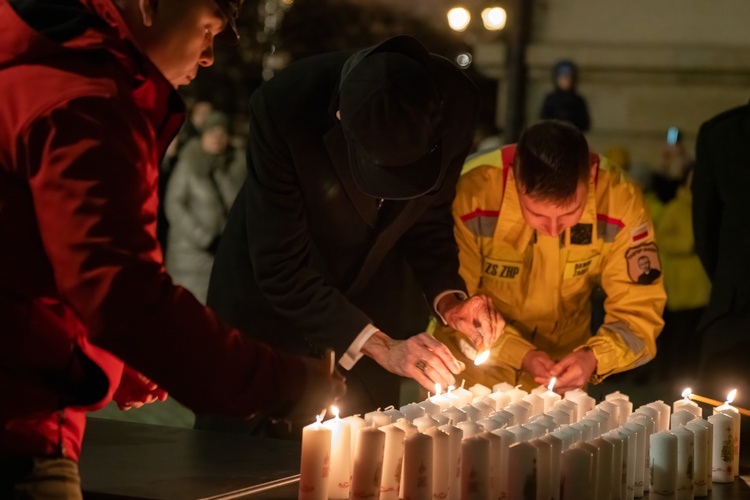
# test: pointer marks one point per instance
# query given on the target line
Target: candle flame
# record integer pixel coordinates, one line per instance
(687, 392)
(482, 357)
(335, 411)
(551, 383)
(731, 396)
(438, 389)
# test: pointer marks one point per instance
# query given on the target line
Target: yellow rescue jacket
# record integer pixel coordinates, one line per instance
(542, 285)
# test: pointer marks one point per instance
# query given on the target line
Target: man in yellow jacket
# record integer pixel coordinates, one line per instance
(538, 224)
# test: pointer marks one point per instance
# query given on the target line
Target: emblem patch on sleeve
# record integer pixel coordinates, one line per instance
(640, 233)
(643, 263)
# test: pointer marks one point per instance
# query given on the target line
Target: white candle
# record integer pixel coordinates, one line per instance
(680, 418)
(576, 430)
(522, 433)
(456, 415)
(504, 416)
(315, 463)
(393, 455)
(455, 437)
(600, 416)
(472, 413)
(650, 426)
(663, 474)
(585, 402)
(701, 463)
(520, 412)
(412, 411)
(440, 462)
(577, 474)
(555, 464)
(522, 470)
(496, 465)
(625, 408)
(594, 425)
(418, 451)
(591, 448)
(377, 419)
(664, 411)
(464, 396)
(538, 390)
(409, 429)
(709, 448)
(685, 460)
(550, 397)
(424, 423)
(441, 399)
(441, 419)
(570, 406)
(723, 448)
(614, 414)
(394, 414)
(735, 414)
(604, 472)
(489, 424)
(355, 424)
(619, 463)
(340, 475)
(485, 409)
(616, 395)
(470, 428)
(516, 394)
(651, 413)
(629, 459)
(499, 399)
(561, 416)
(368, 463)
(480, 391)
(507, 439)
(537, 429)
(502, 387)
(537, 403)
(641, 438)
(563, 434)
(687, 404)
(584, 430)
(475, 468)
(430, 407)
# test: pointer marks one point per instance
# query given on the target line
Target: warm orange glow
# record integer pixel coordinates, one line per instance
(687, 392)
(482, 357)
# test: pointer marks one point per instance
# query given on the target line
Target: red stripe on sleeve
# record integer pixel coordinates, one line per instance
(479, 212)
(610, 220)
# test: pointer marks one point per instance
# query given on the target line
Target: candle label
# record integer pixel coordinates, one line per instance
(422, 476)
(727, 450)
(327, 465)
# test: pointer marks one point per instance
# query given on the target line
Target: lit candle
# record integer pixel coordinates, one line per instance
(475, 468)
(663, 445)
(680, 418)
(393, 455)
(455, 437)
(499, 399)
(440, 462)
(315, 463)
(687, 404)
(412, 411)
(723, 448)
(606, 464)
(522, 470)
(418, 452)
(537, 403)
(664, 412)
(355, 424)
(701, 463)
(685, 460)
(368, 463)
(549, 396)
(340, 476)
(377, 419)
(456, 415)
(440, 399)
(735, 414)
(464, 396)
(641, 438)
(577, 473)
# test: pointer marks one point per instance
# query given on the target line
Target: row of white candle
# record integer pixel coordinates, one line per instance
(445, 448)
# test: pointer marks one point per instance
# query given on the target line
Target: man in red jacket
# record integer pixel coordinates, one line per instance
(88, 108)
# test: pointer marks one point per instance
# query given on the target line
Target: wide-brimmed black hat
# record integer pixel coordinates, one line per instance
(391, 109)
(231, 10)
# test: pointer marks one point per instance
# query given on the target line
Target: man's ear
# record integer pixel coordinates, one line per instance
(338, 114)
(147, 9)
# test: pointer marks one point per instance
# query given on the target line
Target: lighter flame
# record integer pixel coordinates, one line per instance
(438, 389)
(687, 392)
(551, 383)
(482, 357)
(335, 411)
(731, 396)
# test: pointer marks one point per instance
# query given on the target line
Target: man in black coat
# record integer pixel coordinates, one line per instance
(342, 236)
(721, 208)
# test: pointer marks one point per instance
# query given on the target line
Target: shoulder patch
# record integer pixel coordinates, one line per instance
(640, 232)
(607, 227)
(643, 263)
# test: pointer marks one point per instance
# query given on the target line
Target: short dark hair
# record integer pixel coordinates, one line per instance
(552, 158)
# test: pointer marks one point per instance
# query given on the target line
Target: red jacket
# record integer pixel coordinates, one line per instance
(84, 121)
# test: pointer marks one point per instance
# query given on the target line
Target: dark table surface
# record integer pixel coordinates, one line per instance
(137, 461)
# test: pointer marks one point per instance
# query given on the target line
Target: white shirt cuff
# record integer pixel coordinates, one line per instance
(461, 295)
(354, 353)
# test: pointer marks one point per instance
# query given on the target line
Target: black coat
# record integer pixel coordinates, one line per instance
(721, 209)
(307, 260)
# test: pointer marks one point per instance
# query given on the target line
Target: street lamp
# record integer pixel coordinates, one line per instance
(493, 18)
(459, 18)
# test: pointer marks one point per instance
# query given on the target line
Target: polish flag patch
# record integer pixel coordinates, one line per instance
(640, 233)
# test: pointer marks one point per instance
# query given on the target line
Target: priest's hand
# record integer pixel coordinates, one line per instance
(539, 365)
(421, 357)
(475, 317)
(574, 370)
(136, 390)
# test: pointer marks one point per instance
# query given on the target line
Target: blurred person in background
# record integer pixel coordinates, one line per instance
(208, 175)
(671, 168)
(564, 102)
(88, 312)
(198, 113)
